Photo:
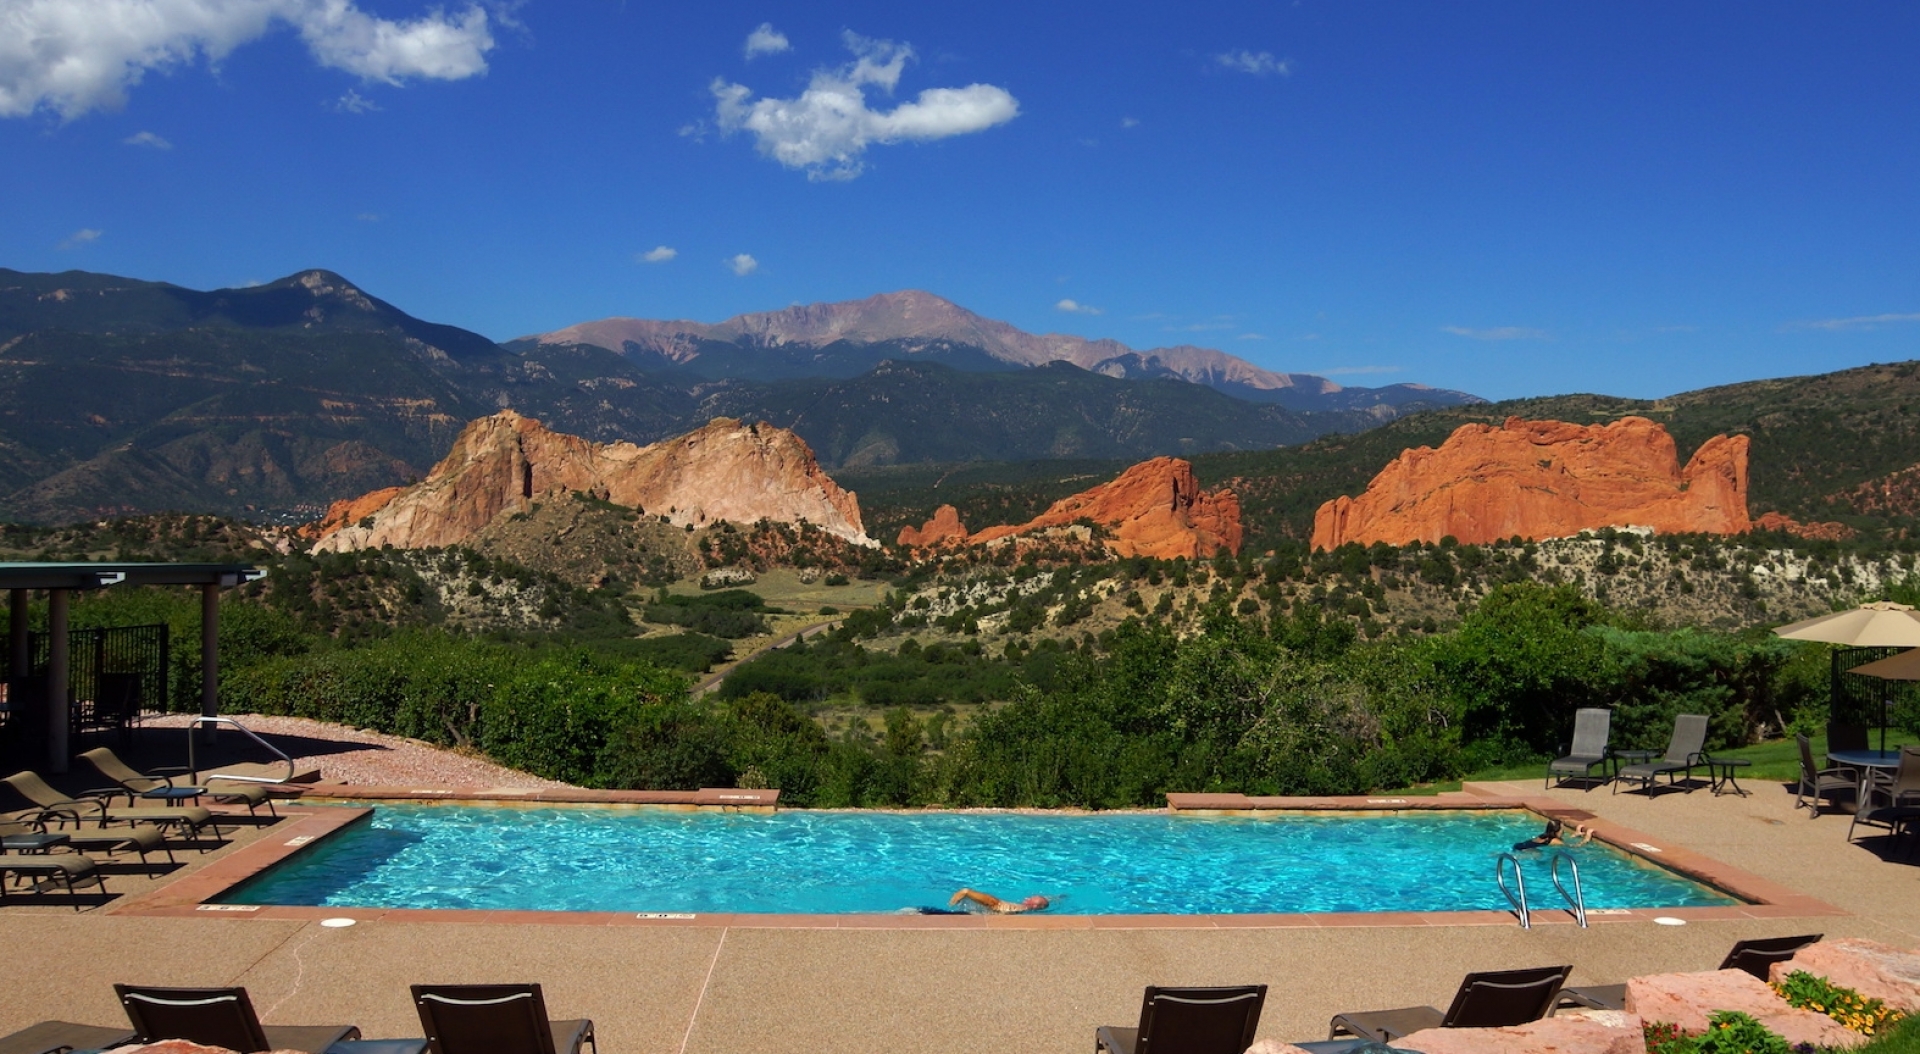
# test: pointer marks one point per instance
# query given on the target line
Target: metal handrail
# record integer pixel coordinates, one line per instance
(1577, 900)
(234, 777)
(1519, 881)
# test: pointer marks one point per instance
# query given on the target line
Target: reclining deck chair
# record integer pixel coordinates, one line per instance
(1685, 749)
(1188, 1021)
(495, 1019)
(133, 783)
(1588, 749)
(30, 786)
(65, 869)
(95, 839)
(1492, 999)
(1754, 956)
(218, 1017)
(51, 1037)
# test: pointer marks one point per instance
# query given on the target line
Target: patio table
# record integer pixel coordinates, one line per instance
(1867, 762)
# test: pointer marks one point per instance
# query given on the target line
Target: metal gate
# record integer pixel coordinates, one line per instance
(113, 673)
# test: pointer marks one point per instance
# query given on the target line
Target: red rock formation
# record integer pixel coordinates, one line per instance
(502, 464)
(944, 527)
(1826, 531)
(1544, 479)
(1155, 508)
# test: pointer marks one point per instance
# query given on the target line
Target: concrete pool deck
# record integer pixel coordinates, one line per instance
(787, 984)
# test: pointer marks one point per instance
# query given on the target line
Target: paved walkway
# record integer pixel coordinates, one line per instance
(672, 988)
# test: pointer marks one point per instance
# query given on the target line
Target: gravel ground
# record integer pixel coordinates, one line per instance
(378, 760)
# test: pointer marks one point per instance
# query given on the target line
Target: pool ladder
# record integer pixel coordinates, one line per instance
(1516, 893)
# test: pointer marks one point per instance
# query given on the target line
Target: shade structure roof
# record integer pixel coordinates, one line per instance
(1882, 624)
(99, 575)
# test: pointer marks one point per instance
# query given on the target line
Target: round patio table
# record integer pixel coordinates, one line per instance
(1867, 762)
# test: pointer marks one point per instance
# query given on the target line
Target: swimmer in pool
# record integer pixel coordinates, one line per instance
(1555, 832)
(995, 904)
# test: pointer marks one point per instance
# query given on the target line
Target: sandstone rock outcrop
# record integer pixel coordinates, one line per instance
(1155, 508)
(944, 527)
(1607, 1032)
(1689, 999)
(1827, 530)
(1875, 970)
(1544, 479)
(502, 464)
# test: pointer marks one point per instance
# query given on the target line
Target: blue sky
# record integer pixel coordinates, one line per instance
(1511, 199)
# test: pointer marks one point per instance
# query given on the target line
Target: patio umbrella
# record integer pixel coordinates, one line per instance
(1902, 667)
(1881, 624)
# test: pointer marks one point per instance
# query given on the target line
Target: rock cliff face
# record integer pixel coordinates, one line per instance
(1544, 479)
(1155, 508)
(502, 464)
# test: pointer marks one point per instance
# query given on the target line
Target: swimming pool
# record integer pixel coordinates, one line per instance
(803, 862)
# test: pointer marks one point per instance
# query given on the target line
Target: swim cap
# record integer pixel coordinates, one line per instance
(1035, 903)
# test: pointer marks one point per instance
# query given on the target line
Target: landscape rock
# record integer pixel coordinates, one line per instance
(1875, 970)
(1155, 508)
(1689, 999)
(1615, 1033)
(180, 1046)
(1544, 479)
(503, 464)
(944, 527)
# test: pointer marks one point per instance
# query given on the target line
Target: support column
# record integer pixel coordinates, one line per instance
(59, 719)
(22, 659)
(209, 657)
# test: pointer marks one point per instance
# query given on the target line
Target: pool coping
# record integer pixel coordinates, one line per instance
(192, 894)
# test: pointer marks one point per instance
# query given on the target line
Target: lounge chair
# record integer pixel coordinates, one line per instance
(218, 1017)
(134, 784)
(1754, 956)
(66, 869)
(1685, 750)
(1816, 783)
(30, 786)
(1492, 999)
(1188, 1021)
(1898, 799)
(53, 1037)
(1589, 747)
(94, 839)
(495, 1019)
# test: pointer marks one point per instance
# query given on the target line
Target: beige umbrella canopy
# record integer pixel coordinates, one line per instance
(1902, 667)
(1881, 624)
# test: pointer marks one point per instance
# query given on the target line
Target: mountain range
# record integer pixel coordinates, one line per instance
(848, 338)
(120, 396)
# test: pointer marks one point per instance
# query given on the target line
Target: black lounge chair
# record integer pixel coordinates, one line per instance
(1492, 999)
(1899, 798)
(134, 784)
(55, 1037)
(1686, 748)
(495, 1019)
(1188, 1021)
(1588, 749)
(1755, 957)
(218, 1017)
(1816, 783)
(141, 840)
(68, 870)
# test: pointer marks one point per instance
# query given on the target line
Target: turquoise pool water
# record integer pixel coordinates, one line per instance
(587, 859)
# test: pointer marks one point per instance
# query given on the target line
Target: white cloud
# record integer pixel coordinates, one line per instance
(354, 102)
(147, 139)
(1837, 325)
(1075, 307)
(1258, 63)
(742, 264)
(657, 254)
(1129, 122)
(766, 40)
(1497, 333)
(72, 58)
(827, 129)
(83, 236)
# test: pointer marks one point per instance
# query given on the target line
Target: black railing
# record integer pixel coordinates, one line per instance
(113, 674)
